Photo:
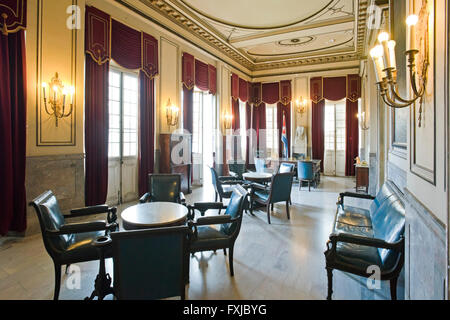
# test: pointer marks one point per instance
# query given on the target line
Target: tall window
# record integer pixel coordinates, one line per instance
(123, 114)
(198, 122)
(335, 136)
(243, 126)
(271, 130)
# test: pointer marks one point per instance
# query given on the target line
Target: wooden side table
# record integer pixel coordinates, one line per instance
(362, 177)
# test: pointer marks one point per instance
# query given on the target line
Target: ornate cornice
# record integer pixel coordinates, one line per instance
(213, 38)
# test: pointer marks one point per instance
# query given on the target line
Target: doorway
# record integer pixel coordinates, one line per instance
(123, 136)
(203, 137)
(334, 154)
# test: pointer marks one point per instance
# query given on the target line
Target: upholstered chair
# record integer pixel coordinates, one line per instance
(305, 172)
(279, 190)
(223, 185)
(69, 243)
(150, 264)
(164, 187)
(236, 168)
(206, 238)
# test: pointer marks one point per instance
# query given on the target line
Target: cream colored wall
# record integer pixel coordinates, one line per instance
(433, 196)
(52, 47)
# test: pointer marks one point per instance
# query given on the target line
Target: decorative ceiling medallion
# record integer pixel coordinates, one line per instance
(209, 35)
(349, 41)
(296, 41)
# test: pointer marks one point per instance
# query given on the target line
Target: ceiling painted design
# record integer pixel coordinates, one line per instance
(269, 34)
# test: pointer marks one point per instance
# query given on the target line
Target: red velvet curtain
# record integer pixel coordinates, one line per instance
(271, 92)
(318, 128)
(126, 45)
(286, 110)
(334, 88)
(96, 131)
(13, 113)
(188, 105)
(352, 125)
(259, 123)
(248, 126)
(236, 116)
(201, 75)
(146, 130)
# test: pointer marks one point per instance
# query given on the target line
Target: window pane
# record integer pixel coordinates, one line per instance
(129, 121)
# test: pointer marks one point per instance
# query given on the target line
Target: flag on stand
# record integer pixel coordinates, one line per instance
(284, 139)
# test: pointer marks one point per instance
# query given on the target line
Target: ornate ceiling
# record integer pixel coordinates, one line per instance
(268, 34)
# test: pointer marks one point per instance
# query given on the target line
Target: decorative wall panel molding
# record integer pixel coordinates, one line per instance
(55, 56)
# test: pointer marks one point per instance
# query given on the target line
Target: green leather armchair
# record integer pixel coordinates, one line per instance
(164, 187)
(150, 264)
(206, 238)
(69, 243)
(279, 190)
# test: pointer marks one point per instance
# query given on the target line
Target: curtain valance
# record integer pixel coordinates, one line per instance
(257, 93)
(108, 39)
(98, 35)
(201, 75)
(198, 73)
(13, 16)
(335, 88)
(353, 87)
(243, 90)
(212, 76)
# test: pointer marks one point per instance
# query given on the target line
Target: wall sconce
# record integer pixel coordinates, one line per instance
(362, 121)
(301, 105)
(383, 56)
(57, 96)
(228, 120)
(172, 114)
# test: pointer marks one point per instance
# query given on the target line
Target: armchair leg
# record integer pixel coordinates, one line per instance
(231, 261)
(215, 200)
(271, 208)
(300, 185)
(268, 213)
(287, 210)
(67, 268)
(57, 281)
(330, 283)
(309, 186)
(393, 286)
(225, 251)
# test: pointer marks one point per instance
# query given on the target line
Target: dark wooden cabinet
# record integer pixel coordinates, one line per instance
(176, 157)
(362, 178)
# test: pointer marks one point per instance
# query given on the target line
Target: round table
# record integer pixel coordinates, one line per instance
(259, 177)
(154, 215)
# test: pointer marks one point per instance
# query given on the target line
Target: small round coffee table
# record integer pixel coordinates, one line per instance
(259, 177)
(154, 215)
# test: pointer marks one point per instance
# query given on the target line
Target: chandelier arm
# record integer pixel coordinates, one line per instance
(46, 108)
(412, 76)
(388, 100)
(70, 112)
(396, 95)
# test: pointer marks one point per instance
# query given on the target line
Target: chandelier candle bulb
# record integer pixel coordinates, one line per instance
(392, 60)
(411, 21)
(377, 54)
(383, 38)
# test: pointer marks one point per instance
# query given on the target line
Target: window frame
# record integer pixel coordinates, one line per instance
(122, 72)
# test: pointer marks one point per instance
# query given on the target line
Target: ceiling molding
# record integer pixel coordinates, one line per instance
(210, 35)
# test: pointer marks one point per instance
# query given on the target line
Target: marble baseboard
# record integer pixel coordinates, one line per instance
(425, 252)
(62, 174)
(373, 174)
(396, 175)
